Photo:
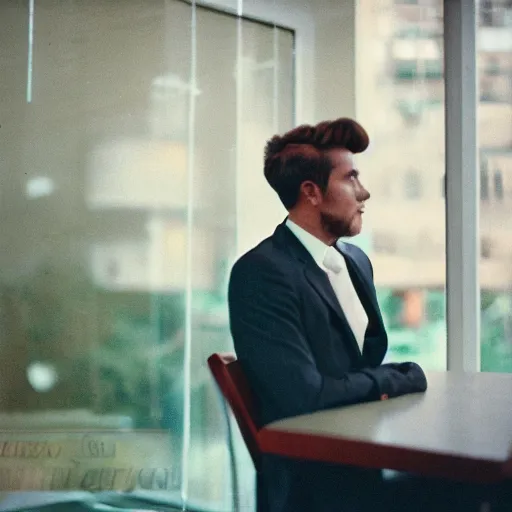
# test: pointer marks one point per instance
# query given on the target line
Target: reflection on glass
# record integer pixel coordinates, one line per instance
(494, 65)
(42, 376)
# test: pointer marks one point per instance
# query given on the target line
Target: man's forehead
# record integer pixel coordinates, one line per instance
(341, 157)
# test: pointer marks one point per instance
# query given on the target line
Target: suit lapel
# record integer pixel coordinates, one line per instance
(362, 284)
(320, 282)
(361, 280)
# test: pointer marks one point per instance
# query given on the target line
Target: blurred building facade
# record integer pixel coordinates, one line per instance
(401, 101)
(407, 164)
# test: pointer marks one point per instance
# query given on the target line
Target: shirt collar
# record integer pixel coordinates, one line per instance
(314, 246)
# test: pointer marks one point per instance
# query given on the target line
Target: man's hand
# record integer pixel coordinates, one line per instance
(402, 379)
(401, 367)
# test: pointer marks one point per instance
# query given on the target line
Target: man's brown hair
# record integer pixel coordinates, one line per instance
(300, 155)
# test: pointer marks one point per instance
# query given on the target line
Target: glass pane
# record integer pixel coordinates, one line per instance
(494, 65)
(400, 100)
(263, 76)
(284, 51)
(93, 202)
(266, 71)
(120, 191)
(213, 245)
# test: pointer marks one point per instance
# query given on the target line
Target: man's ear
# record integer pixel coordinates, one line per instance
(311, 192)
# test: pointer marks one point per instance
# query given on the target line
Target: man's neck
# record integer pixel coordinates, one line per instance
(313, 228)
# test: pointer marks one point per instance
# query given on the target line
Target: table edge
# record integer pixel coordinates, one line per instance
(340, 450)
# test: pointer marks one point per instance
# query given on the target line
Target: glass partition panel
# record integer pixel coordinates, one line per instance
(93, 201)
(213, 223)
(265, 73)
(124, 133)
(244, 98)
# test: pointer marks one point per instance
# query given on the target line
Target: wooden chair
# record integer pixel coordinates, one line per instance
(233, 385)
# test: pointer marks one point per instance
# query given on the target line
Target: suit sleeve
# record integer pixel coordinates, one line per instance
(269, 341)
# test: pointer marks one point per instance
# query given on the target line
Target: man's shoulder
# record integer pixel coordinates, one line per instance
(266, 255)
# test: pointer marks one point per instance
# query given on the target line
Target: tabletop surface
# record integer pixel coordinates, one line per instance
(464, 415)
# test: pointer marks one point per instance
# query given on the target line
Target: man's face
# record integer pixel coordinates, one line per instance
(342, 205)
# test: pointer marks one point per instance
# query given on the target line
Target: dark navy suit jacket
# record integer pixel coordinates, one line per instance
(300, 355)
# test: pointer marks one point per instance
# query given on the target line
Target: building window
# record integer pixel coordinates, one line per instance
(428, 69)
(434, 68)
(484, 181)
(411, 111)
(487, 90)
(406, 69)
(498, 185)
(493, 66)
(413, 185)
(485, 248)
(486, 8)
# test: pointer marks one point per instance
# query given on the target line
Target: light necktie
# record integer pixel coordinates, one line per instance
(346, 294)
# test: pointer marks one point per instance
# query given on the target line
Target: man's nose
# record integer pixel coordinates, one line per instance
(363, 195)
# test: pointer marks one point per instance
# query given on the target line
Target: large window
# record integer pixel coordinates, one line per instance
(494, 66)
(401, 102)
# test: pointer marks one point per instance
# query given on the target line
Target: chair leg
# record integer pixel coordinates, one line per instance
(232, 457)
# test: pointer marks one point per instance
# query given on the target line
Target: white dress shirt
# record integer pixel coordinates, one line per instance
(331, 261)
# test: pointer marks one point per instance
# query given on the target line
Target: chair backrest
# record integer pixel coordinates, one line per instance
(234, 386)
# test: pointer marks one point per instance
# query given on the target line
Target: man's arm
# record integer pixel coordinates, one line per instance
(269, 340)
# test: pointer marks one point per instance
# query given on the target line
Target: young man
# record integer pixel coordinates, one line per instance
(304, 316)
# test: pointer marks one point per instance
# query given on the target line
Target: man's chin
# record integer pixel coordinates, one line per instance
(355, 229)
(348, 233)
(340, 229)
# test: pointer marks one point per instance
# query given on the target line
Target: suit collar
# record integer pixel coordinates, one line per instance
(285, 239)
(315, 247)
(288, 241)
(318, 279)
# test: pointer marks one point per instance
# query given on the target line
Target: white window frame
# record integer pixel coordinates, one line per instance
(462, 186)
(270, 12)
